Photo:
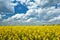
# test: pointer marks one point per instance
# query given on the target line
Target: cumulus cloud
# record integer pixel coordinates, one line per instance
(5, 6)
(40, 12)
(35, 16)
(0, 17)
(55, 19)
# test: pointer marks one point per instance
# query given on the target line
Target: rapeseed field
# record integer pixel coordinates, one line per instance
(30, 32)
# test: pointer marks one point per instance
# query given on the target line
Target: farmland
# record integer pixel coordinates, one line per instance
(30, 32)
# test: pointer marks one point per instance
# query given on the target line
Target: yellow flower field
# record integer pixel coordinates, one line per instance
(30, 32)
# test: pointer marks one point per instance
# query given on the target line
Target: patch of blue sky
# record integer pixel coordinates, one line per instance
(20, 8)
(32, 0)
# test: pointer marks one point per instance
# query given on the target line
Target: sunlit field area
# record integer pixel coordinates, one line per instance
(30, 32)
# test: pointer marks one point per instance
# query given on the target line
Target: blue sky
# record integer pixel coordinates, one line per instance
(29, 12)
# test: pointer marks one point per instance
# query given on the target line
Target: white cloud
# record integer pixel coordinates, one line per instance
(8, 5)
(55, 19)
(5, 6)
(0, 16)
(31, 20)
(37, 15)
(42, 3)
(15, 17)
